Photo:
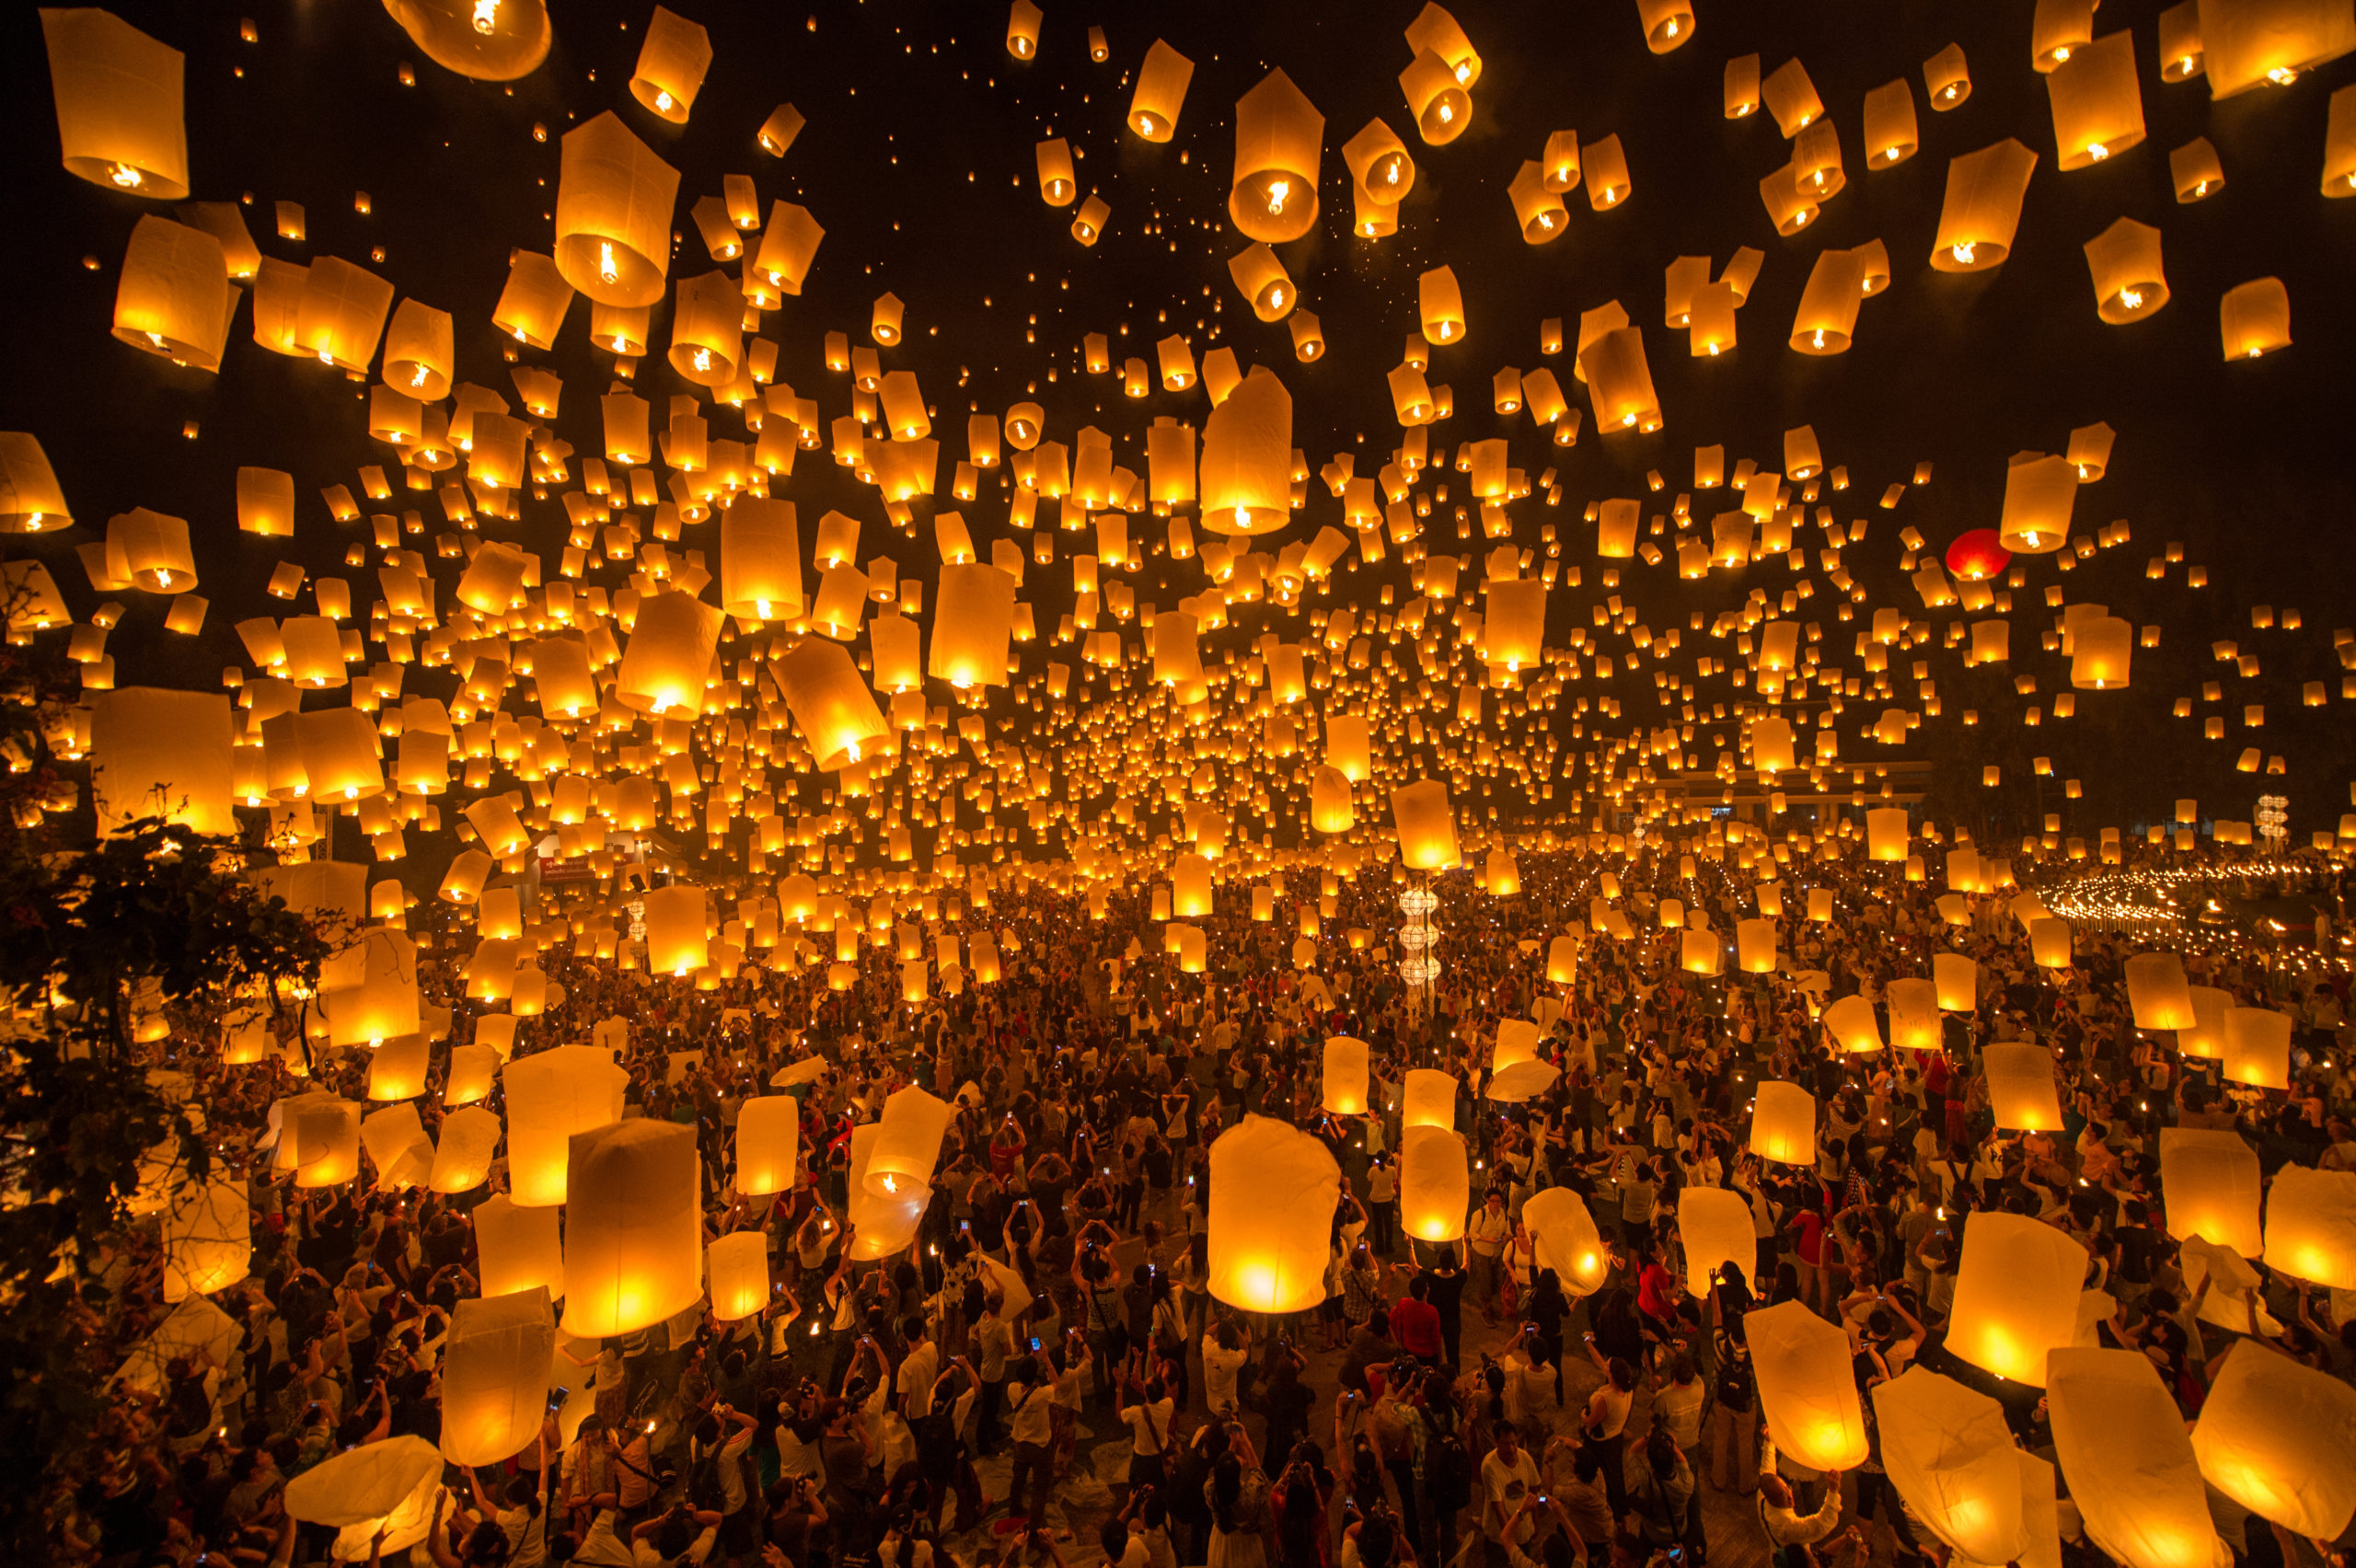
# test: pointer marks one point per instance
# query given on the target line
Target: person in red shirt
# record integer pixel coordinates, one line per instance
(1415, 1323)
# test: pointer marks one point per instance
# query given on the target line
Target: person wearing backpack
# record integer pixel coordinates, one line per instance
(716, 1478)
(1660, 1493)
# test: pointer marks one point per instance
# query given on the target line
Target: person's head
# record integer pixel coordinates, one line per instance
(1681, 1368)
(1776, 1490)
(1623, 1376)
(912, 1330)
(1660, 1452)
(1509, 1440)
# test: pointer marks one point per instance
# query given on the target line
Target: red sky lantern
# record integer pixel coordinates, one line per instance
(1978, 554)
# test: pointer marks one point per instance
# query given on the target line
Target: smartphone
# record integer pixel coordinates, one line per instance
(1034, 1342)
(965, 1226)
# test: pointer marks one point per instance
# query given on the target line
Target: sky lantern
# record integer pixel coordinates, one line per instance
(2015, 1295)
(633, 1243)
(1279, 140)
(1806, 1388)
(1434, 1183)
(2131, 1467)
(118, 100)
(1273, 1191)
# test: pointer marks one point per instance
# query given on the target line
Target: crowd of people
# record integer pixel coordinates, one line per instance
(1046, 1374)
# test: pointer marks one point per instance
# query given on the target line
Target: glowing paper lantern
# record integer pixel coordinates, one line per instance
(462, 1155)
(498, 41)
(1564, 1239)
(2254, 318)
(2015, 1295)
(1273, 1191)
(1345, 1076)
(1783, 1124)
(1517, 1041)
(1717, 1227)
(156, 752)
(1754, 943)
(495, 1376)
(671, 66)
(207, 1238)
(1162, 79)
(2132, 1471)
(1805, 1388)
(769, 1145)
(1982, 207)
(1914, 1014)
(2097, 103)
(323, 1131)
(1426, 824)
(2258, 1047)
(885, 1221)
(2310, 1226)
(1951, 1457)
(2209, 1178)
(2021, 1092)
(1851, 1023)
(1434, 1183)
(830, 702)
(2157, 992)
(1887, 833)
(2280, 1439)
(669, 656)
(119, 104)
(519, 1248)
(1279, 140)
(633, 1252)
(368, 1488)
(1245, 473)
(1429, 1099)
(2253, 43)
(1957, 979)
(739, 1266)
(2048, 941)
(907, 1142)
(551, 1097)
(1563, 960)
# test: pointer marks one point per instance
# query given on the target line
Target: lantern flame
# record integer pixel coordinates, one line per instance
(486, 15)
(1963, 250)
(606, 267)
(126, 177)
(1277, 192)
(662, 101)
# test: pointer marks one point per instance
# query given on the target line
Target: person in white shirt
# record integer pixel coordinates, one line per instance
(1225, 1349)
(919, 1368)
(1508, 1475)
(1487, 1235)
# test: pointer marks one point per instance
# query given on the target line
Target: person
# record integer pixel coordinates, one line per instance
(1781, 1522)
(1485, 1237)
(1678, 1397)
(1604, 1420)
(1237, 1495)
(1414, 1323)
(1733, 1418)
(1660, 1488)
(1225, 1349)
(1147, 1409)
(1030, 1395)
(1508, 1476)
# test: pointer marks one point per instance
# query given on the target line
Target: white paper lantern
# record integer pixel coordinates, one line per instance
(1783, 1124)
(2209, 1178)
(1805, 1388)
(495, 1376)
(1273, 1189)
(2123, 1444)
(633, 1230)
(2280, 1439)
(1717, 1227)
(1345, 1076)
(1429, 1099)
(1951, 1457)
(1564, 1239)
(739, 1266)
(1434, 1183)
(2310, 1226)
(2015, 1295)
(517, 1248)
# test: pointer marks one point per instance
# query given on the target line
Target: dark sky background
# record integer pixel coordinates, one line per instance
(2248, 464)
